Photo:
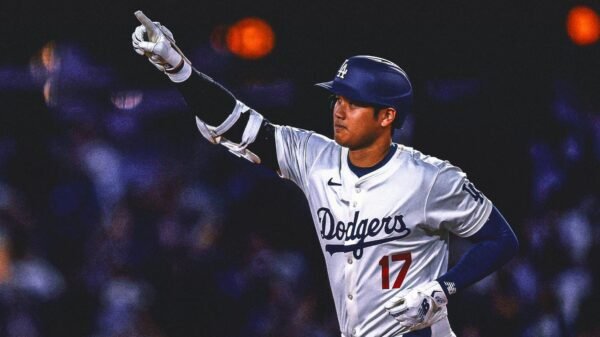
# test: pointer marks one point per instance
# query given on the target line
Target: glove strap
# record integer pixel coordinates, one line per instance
(183, 74)
(175, 69)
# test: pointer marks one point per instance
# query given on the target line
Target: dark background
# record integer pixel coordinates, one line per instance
(125, 222)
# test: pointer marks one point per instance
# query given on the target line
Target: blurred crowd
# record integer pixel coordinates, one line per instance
(128, 224)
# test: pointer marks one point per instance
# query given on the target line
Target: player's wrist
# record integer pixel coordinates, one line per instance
(435, 290)
(447, 286)
(174, 69)
(180, 75)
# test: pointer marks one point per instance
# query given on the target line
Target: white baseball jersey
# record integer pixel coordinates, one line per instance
(385, 231)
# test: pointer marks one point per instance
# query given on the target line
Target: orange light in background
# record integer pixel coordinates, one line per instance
(250, 38)
(45, 62)
(583, 25)
(49, 59)
(4, 260)
(49, 92)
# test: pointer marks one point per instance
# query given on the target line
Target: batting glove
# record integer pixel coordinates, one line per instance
(419, 307)
(156, 42)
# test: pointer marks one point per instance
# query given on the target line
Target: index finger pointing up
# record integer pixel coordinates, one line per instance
(151, 29)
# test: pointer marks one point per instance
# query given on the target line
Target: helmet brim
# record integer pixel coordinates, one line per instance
(342, 90)
(325, 85)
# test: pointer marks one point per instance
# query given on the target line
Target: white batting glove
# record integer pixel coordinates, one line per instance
(156, 42)
(419, 307)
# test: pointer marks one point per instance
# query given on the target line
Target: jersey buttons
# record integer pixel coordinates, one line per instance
(349, 260)
(358, 190)
(350, 297)
(354, 332)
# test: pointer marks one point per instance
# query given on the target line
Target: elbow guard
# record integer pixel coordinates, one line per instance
(214, 134)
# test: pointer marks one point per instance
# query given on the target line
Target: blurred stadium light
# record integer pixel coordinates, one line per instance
(251, 38)
(583, 25)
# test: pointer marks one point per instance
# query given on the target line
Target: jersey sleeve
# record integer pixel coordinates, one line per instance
(296, 151)
(454, 204)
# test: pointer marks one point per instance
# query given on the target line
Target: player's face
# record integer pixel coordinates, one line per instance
(355, 125)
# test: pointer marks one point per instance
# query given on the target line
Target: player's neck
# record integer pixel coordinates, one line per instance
(371, 155)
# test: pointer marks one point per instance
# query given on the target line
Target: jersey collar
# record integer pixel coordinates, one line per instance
(362, 171)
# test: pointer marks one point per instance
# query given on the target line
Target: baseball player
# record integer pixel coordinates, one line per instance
(383, 212)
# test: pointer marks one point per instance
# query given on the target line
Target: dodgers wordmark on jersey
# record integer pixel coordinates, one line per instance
(385, 231)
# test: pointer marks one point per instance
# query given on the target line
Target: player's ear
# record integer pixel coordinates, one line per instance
(387, 116)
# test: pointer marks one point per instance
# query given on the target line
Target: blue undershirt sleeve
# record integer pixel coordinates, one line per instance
(495, 245)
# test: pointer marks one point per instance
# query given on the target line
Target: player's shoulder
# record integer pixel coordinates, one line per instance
(321, 146)
(421, 159)
(312, 142)
(425, 162)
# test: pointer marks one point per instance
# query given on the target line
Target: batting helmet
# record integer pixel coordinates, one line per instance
(374, 81)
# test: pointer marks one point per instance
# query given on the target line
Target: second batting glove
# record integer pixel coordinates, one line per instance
(419, 307)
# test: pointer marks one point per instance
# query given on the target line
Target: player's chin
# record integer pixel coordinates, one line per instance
(345, 142)
(341, 136)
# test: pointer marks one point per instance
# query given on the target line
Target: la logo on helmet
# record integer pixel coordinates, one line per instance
(343, 70)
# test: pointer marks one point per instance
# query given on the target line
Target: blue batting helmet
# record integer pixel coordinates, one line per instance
(374, 81)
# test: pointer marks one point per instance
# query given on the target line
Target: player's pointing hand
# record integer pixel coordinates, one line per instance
(151, 39)
(156, 42)
(150, 27)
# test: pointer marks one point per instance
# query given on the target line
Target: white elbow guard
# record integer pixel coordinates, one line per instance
(215, 134)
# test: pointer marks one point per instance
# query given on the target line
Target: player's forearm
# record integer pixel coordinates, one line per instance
(207, 99)
(495, 245)
(213, 103)
(220, 117)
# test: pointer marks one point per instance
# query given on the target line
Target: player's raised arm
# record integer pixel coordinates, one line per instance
(220, 117)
